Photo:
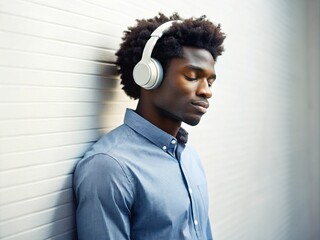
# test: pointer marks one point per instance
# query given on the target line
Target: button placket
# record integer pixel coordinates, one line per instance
(195, 215)
(171, 147)
(194, 212)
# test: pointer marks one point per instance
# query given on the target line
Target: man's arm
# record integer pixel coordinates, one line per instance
(104, 197)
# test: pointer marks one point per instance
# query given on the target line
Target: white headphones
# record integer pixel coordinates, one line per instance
(148, 72)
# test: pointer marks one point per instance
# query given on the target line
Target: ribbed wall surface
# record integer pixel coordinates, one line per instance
(59, 91)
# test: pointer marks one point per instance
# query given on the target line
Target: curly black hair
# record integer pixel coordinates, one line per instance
(192, 32)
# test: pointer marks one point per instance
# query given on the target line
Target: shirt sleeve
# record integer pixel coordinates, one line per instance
(104, 198)
(208, 232)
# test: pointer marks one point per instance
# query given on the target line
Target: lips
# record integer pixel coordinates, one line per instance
(201, 105)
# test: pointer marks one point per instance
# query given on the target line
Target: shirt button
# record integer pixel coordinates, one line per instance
(164, 148)
(195, 222)
(190, 190)
(173, 141)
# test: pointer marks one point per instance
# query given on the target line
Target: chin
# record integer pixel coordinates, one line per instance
(192, 121)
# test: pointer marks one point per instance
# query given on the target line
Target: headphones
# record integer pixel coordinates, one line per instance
(148, 72)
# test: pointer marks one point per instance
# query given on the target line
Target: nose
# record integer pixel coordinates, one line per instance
(203, 89)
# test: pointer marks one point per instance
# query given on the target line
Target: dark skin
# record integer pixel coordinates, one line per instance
(184, 93)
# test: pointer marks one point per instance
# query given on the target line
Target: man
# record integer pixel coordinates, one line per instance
(142, 180)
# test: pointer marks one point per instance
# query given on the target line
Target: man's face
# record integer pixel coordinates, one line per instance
(185, 90)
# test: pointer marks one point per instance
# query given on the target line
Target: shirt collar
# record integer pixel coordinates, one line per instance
(154, 134)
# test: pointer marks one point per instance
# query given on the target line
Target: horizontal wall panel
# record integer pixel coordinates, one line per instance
(35, 189)
(17, 24)
(21, 42)
(35, 220)
(123, 7)
(16, 59)
(41, 110)
(38, 77)
(58, 17)
(33, 142)
(87, 9)
(45, 94)
(42, 156)
(53, 125)
(37, 173)
(47, 231)
(33, 205)
(27, 94)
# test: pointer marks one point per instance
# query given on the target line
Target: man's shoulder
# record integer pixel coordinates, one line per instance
(110, 141)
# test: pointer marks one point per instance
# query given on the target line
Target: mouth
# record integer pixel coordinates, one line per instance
(201, 105)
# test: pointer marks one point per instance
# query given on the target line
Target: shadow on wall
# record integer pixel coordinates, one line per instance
(106, 82)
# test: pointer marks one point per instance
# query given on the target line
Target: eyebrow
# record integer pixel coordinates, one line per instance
(199, 69)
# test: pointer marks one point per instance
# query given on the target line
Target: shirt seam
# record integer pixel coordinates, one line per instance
(126, 173)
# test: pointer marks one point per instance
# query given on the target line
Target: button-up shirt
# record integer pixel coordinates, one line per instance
(139, 182)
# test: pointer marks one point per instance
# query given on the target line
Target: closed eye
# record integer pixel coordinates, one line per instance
(190, 78)
(192, 73)
(210, 80)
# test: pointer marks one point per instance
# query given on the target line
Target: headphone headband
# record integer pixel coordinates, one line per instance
(154, 37)
(148, 72)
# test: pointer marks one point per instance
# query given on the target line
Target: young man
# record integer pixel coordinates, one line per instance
(142, 180)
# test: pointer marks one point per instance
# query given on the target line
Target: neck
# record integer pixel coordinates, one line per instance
(158, 118)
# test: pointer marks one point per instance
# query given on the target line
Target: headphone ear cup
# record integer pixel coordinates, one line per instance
(157, 75)
(148, 74)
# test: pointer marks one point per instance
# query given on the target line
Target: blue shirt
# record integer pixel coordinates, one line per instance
(139, 182)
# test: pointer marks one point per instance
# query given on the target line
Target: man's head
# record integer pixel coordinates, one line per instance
(193, 32)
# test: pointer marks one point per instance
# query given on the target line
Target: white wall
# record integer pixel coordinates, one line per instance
(59, 92)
